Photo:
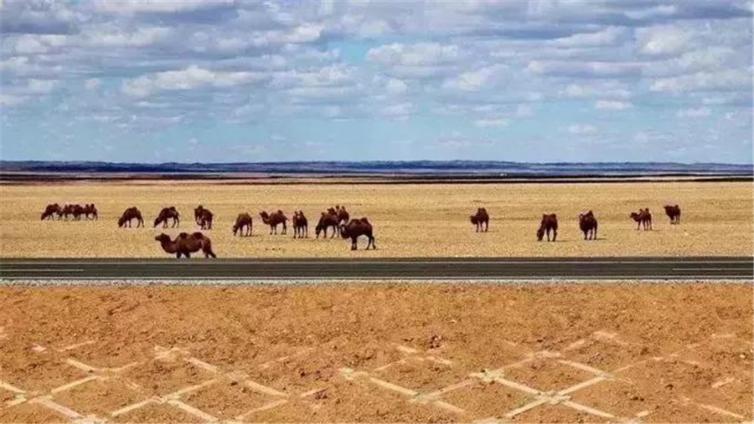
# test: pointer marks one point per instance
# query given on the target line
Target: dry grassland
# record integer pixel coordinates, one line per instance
(409, 220)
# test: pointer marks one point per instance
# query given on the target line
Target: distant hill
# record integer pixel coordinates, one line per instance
(471, 168)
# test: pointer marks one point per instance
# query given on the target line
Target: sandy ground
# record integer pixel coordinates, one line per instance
(377, 353)
(409, 220)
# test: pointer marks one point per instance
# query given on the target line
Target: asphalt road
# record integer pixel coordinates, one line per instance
(629, 268)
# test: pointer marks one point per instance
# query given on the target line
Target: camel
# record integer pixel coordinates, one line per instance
(300, 225)
(186, 244)
(356, 228)
(588, 224)
(643, 219)
(481, 220)
(274, 219)
(326, 221)
(129, 214)
(90, 210)
(74, 210)
(51, 210)
(243, 221)
(549, 223)
(674, 213)
(165, 215)
(343, 215)
(203, 217)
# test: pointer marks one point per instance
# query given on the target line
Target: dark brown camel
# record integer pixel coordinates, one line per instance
(90, 211)
(643, 219)
(549, 223)
(165, 215)
(186, 244)
(674, 213)
(343, 215)
(131, 213)
(243, 224)
(51, 210)
(356, 228)
(327, 220)
(300, 225)
(74, 210)
(203, 217)
(481, 220)
(274, 219)
(588, 225)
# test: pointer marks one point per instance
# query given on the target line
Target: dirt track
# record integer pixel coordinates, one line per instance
(377, 353)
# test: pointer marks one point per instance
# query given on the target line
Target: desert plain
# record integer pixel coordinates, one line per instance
(409, 219)
(378, 353)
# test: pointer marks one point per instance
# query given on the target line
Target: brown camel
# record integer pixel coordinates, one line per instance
(274, 219)
(51, 210)
(300, 225)
(74, 210)
(186, 244)
(90, 211)
(203, 217)
(243, 222)
(343, 215)
(356, 228)
(549, 223)
(643, 219)
(131, 213)
(674, 213)
(481, 220)
(165, 215)
(327, 220)
(588, 225)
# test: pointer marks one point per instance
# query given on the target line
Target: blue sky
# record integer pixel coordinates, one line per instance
(247, 80)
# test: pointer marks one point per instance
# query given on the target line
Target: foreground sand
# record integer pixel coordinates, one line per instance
(378, 353)
(409, 220)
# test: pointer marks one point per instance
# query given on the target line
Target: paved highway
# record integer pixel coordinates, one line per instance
(628, 268)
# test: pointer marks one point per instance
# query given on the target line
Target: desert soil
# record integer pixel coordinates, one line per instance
(409, 220)
(377, 353)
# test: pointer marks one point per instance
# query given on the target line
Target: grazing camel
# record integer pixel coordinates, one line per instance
(203, 217)
(300, 225)
(588, 225)
(186, 244)
(356, 228)
(51, 210)
(674, 213)
(90, 210)
(131, 213)
(643, 219)
(243, 222)
(74, 210)
(481, 220)
(549, 223)
(326, 221)
(274, 219)
(165, 215)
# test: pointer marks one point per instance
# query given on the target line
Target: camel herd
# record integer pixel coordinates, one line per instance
(337, 220)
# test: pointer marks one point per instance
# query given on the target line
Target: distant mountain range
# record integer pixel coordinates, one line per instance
(419, 168)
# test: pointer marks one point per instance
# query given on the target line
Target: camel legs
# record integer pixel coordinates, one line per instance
(353, 243)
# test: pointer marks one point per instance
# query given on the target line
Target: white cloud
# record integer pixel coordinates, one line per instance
(37, 86)
(92, 84)
(395, 86)
(662, 40)
(582, 129)
(398, 111)
(186, 79)
(9, 100)
(592, 69)
(609, 36)
(157, 6)
(612, 105)
(420, 60)
(491, 123)
(732, 79)
(476, 80)
(694, 112)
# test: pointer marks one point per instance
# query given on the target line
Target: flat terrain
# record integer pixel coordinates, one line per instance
(335, 353)
(409, 220)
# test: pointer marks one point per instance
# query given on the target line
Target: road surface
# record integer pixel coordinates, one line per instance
(629, 268)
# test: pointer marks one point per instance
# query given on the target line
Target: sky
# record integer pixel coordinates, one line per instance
(250, 81)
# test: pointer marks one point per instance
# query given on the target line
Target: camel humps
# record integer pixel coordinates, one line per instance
(357, 228)
(168, 214)
(548, 224)
(481, 220)
(130, 214)
(643, 219)
(274, 219)
(243, 225)
(186, 244)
